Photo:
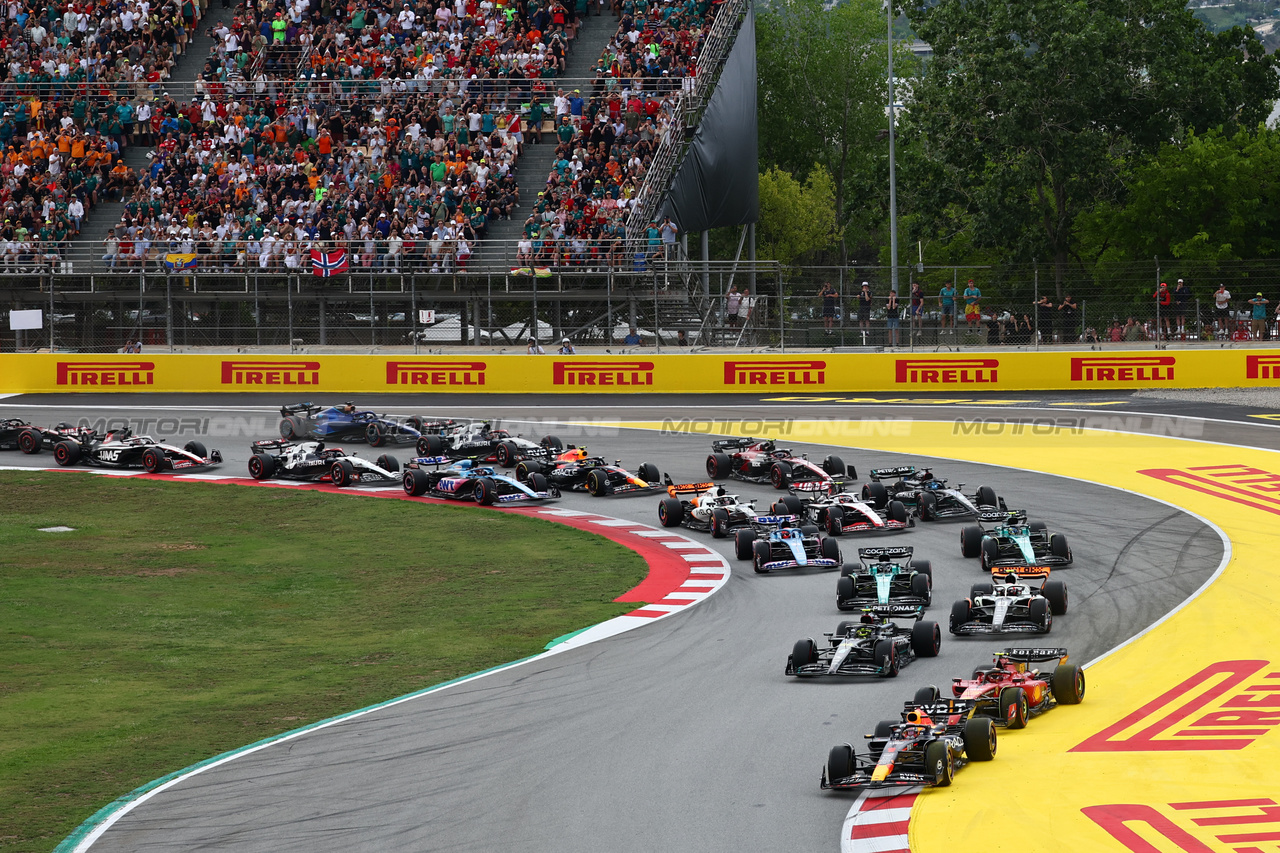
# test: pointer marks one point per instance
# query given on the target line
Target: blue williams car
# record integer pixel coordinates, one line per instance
(465, 481)
(344, 423)
(780, 543)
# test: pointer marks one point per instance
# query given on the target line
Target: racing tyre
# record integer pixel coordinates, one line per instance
(1056, 592)
(414, 423)
(341, 472)
(830, 549)
(928, 507)
(970, 540)
(289, 429)
(1041, 615)
(875, 494)
(1013, 707)
(804, 652)
(430, 445)
(990, 553)
(537, 482)
(780, 475)
(980, 739)
(718, 466)
(923, 567)
(987, 497)
(844, 592)
(834, 466)
(415, 482)
(959, 614)
(808, 530)
(552, 443)
(197, 449)
(376, 434)
(153, 460)
(898, 512)
(261, 466)
(66, 453)
(486, 491)
(939, 761)
(927, 695)
(506, 453)
(981, 589)
(719, 522)
(598, 483)
(649, 473)
(742, 542)
(884, 728)
(886, 655)
(926, 639)
(387, 463)
(843, 629)
(835, 521)
(1037, 526)
(671, 512)
(849, 569)
(920, 589)
(29, 441)
(1058, 546)
(840, 762)
(527, 467)
(791, 505)
(1068, 684)
(760, 554)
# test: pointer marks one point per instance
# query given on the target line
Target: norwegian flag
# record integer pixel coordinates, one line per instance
(325, 264)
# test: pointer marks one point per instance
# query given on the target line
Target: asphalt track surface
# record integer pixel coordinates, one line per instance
(683, 735)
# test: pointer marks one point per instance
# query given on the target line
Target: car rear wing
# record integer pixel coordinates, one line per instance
(1023, 572)
(295, 408)
(814, 486)
(1022, 655)
(721, 444)
(429, 460)
(897, 611)
(777, 520)
(1003, 516)
(677, 489)
(897, 473)
(940, 710)
(270, 444)
(876, 554)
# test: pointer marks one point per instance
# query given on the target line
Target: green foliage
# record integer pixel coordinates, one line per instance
(1031, 112)
(182, 620)
(795, 218)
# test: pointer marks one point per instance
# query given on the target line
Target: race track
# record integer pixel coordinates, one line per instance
(682, 735)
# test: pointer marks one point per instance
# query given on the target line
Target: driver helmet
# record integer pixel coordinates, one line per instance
(767, 445)
(870, 619)
(63, 425)
(348, 408)
(1011, 578)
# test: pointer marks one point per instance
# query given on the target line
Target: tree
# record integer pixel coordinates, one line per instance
(795, 218)
(822, 96)
(1030, 112)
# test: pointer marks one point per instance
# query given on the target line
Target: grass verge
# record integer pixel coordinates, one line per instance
(180, 620)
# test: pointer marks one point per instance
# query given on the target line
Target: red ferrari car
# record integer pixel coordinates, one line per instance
(1010, 692)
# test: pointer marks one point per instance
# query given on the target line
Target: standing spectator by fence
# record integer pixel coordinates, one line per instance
(864, 307)
(1067, 322)
(1044, 318)
(892, 314)
(915, 310)
(1258, 315)
(947, 302)
(1222, 310)
(1164, 302)
(972, 305)
(1181, 296)
(830, 299)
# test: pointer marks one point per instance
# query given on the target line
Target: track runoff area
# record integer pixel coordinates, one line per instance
(1169, 751)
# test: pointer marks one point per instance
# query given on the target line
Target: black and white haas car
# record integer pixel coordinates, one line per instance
(841, 512)
(708, 508)
(1010, 606)
(122, 449)
(756, 460)
(875, 645)
(313, 462)
(17, 434)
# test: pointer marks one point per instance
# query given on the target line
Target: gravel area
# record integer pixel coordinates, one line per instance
(1264, 398)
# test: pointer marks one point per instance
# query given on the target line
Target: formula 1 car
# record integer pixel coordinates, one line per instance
(884, 576)
(709, 509)
(840, 512)
(778, 542)
(1009, 606)
(592, 474)
(463, 480)
(343, 423)
(761, 461)
(1014, 545)
(928, 496)
(122, 449)
(873, 646)
(927, 748)
(17, 433)
(478, 440)
(1010, 693)
(313, 462)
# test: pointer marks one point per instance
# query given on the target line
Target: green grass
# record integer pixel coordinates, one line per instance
(182, 620)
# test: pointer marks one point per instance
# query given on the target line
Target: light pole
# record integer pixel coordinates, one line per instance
(893, 176)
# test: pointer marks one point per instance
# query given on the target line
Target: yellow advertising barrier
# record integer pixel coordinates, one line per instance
(1175, 747)
(809, 375)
